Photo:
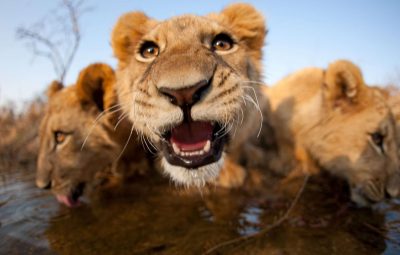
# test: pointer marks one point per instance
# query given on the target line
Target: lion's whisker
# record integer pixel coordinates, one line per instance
(228, 130)
(151, 147)
(236, 126)
(256, 105)
(126, 144)
(144, 143)
(99, 116)
(151, 131)
(121, 118)
(258, 108)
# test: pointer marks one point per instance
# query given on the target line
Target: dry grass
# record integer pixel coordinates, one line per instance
(19, 140)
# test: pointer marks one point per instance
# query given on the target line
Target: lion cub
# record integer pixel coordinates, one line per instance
(188, 84)
(83, 132)
(330, 119)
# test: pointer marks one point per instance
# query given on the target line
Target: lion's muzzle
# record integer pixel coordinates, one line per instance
(191, 144)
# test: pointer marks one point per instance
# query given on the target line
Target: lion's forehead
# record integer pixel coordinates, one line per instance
(65, 108)
(382, 108)
(374, 106)
(67, 119)
(64, 99)
(377, 114)
(189, 22)
(185, 26)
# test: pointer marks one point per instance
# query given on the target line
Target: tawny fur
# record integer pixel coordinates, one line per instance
(87, 114)
(234, 98)
(325, 119)
(394, 103)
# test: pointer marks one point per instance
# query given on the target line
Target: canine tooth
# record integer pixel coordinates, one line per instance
(207, 147)
(201, 152)
(176, 148)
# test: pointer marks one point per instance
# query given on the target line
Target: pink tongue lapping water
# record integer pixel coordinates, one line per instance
(68, 201)
(191, 136)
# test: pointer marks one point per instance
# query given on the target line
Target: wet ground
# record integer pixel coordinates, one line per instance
(151, 216)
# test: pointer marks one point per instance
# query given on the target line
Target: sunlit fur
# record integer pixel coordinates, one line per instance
(185, 58)
(87, 113)
(394, 103)
(326, 118)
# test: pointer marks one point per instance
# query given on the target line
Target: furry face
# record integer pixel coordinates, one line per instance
(72, 147)
(335, 122)
(185, 81)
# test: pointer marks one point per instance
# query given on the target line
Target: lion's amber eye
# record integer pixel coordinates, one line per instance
(59, 137)
(222, 42)
(149, 50)
(378, 139)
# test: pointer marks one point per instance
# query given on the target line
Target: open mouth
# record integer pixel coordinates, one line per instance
(193, 144)
(72, 199)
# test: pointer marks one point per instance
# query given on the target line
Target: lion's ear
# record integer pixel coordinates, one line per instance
(246, 23)
(54, 87)
(128, 31)
(343, 83)
(95, 85)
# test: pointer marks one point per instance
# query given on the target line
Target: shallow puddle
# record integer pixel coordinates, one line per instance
(152, 216)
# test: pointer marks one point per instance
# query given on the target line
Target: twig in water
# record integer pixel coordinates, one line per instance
(382, 233)
(266, 229)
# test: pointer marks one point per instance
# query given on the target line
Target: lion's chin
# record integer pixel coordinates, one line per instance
(193, 177)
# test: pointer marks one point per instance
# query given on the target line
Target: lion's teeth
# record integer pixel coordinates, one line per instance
(207, 147)
(203, 151)
(176, 148)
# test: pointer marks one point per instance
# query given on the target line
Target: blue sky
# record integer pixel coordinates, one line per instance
(302, 33)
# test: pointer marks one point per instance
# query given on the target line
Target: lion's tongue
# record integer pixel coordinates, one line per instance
(68, 201)
(192, 136)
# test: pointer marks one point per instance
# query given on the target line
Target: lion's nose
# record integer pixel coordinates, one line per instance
(43, 184)
(186, 96)
(393, 186)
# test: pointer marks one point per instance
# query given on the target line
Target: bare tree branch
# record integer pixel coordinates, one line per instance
(73, 12)
(51, 51)
(57, 36)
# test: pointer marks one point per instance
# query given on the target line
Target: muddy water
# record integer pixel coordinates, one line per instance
(152, 216)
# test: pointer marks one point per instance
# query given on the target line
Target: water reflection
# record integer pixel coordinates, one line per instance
(24, 214)
(149, 216)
